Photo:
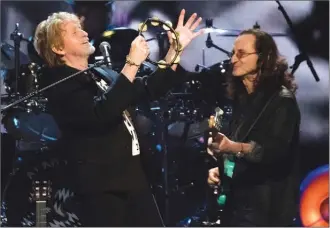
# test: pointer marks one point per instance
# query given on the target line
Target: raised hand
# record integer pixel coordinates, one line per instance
(139, 50)
(186, 31)
(137, 55)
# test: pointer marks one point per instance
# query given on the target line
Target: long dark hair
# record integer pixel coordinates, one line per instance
(272, 68)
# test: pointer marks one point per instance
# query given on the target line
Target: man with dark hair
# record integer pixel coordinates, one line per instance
(263, 138)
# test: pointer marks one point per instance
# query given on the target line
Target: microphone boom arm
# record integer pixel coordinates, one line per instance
(303, 55)
(37, 92)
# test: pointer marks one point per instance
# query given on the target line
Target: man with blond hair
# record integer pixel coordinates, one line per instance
(98, 138)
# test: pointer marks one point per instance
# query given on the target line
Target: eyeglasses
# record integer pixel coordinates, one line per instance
(241, 54)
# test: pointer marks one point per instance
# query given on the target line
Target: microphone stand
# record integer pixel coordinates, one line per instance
(16, 36)
(302, 56)
(37, 92)
(34, 93)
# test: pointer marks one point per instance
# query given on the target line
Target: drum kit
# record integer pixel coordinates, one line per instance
(168, 127)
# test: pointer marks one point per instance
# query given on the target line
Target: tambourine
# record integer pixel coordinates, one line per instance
(167, 26)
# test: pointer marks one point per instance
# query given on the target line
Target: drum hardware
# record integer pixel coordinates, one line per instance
(37, 92)
(176, 109)
(203, 66)
(209, 42)
(8, 56)
(162, 123)
(25, 115)
(28, 79)
(6, 50)
(21, 80)
(28, 120)
(169, 185)
(236, 32)
(167, 112)
(17, 37)
(12, 117)
(302, 56)
(198, 66)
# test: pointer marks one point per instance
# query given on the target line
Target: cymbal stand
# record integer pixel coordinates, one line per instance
(162, 121)
(203, 66)
(209, 42)
(17, 37)
(37, 92)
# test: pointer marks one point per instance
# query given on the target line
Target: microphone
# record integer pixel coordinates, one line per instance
(105, 50)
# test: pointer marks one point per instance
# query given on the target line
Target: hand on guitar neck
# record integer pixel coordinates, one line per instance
(214, 177)
(220, 143)
(215, 123)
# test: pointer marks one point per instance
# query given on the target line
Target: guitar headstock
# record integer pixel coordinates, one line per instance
(215, 122)
(41, 190)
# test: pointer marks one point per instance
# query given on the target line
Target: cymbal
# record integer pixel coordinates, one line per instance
(235, 32)
(124, 31)
(8, 56)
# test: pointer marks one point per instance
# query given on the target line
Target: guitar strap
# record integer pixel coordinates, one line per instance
(258, 117)
(105, 79)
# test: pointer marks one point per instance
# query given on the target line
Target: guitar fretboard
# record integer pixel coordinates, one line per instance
(41, 216)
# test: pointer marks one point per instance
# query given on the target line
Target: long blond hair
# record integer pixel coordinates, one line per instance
(49, 34)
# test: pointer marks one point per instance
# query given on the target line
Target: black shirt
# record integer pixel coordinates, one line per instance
(275, 135)
(265, 181)
(95, 139)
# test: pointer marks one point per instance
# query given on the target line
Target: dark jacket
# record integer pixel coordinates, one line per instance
(94, 138)
(267, 179)
(265, 183)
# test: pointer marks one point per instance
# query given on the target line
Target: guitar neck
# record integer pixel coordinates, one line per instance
(41, 216)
